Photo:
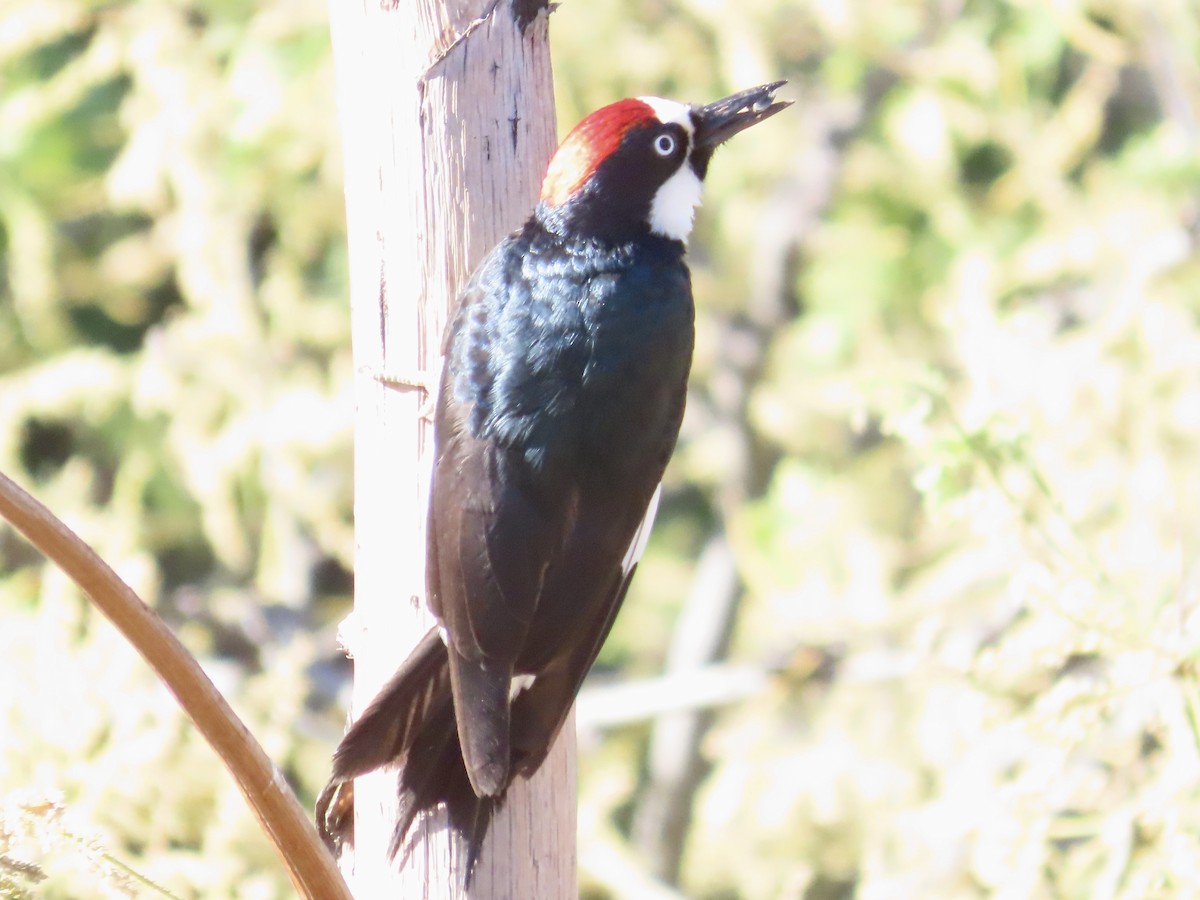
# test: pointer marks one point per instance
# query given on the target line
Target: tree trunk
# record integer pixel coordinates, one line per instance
(447, 118)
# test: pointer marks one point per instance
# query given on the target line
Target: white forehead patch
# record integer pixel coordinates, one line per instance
(669, 111)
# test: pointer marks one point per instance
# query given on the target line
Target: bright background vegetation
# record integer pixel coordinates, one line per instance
(933, 524)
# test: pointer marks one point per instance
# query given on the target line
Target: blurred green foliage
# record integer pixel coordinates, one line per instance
(944, 419)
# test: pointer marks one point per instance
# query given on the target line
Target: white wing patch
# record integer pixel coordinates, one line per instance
(519, 683)
(638, 545)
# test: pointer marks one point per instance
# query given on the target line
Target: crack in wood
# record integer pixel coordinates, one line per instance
(383, 302)
(459, 38)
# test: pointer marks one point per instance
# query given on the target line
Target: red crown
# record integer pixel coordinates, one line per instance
(589, 144)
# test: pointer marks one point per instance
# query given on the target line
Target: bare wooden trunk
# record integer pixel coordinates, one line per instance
(447, 118)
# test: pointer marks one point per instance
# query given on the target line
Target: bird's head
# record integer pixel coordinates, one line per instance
(638, 164)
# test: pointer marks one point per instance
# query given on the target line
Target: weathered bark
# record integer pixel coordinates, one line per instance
(447, 119)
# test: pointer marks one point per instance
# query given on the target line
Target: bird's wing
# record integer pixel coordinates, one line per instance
(587, 590)
(493, 531)
(490, 543)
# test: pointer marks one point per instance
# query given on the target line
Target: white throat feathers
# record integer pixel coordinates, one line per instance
(673, 209)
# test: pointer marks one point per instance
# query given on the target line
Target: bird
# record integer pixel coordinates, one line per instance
(561, 394)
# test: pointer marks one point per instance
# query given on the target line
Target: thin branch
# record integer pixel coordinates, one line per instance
(675, 767)
(607, 861)
(282, 817)
(697, 688)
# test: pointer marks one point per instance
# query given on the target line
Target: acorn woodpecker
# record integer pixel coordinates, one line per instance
(562, 390)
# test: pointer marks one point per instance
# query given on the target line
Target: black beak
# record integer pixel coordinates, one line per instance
(718, 122)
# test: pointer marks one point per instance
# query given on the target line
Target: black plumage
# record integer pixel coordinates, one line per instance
(561, 396)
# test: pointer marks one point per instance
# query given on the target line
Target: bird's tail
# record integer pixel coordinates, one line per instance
(409, 724)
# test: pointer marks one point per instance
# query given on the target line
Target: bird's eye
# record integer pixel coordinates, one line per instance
(664, 145)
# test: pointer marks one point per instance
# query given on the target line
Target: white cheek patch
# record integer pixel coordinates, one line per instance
(673, 209)
(668, 111)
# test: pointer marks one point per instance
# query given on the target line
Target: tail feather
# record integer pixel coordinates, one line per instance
(433, 775)
(387, 727)
(410, 723)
